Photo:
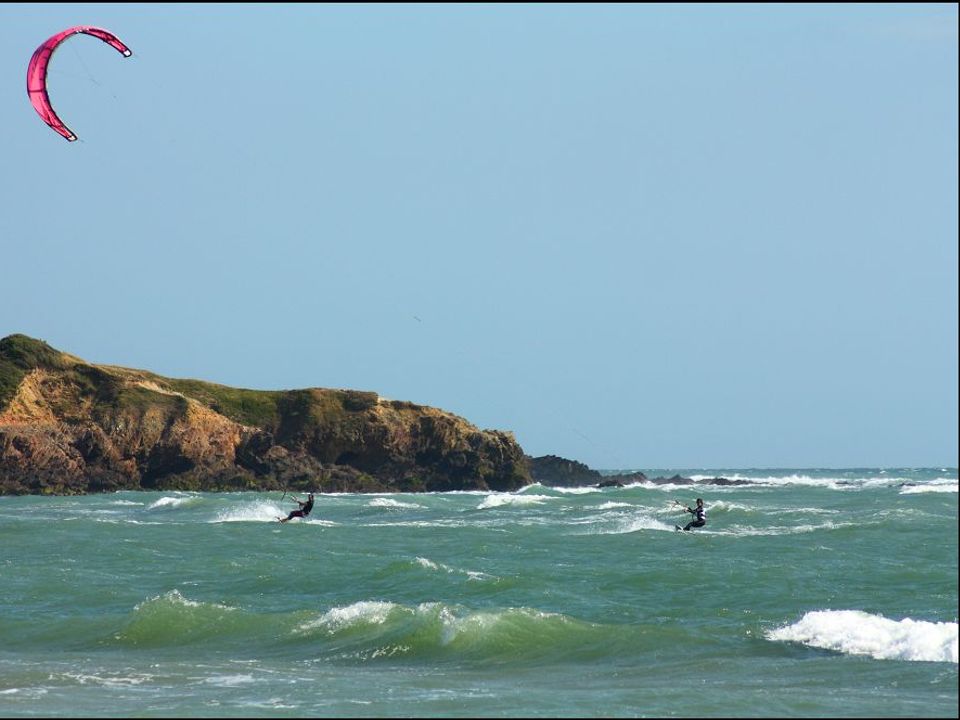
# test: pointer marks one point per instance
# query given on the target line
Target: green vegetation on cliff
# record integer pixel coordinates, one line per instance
(18, 355)
(258, 408)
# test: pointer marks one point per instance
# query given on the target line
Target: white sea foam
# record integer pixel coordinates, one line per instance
(32, 693)
(170, 502)
(632, 524)
(502, 499)
(646, 522)
(413, 523)
(854, 632)
(663, 487)
(833, 483)
(459, 492)
(367, 612)
(613, 505)
(744, 531)
(471, 574)
(532, 487)
(116, 681)
(940, 485)
(261, 511)
(429, 564)
(271, 704)
(725, 506)
(479, 576)
(229, 680)
(382, 502)
(176, 598)
(575, 490)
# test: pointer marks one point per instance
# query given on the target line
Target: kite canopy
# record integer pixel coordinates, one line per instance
(37, 73)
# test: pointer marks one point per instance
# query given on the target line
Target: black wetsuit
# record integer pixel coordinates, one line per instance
(701, 517)
(304, 510)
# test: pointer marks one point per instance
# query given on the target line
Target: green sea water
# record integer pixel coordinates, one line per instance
(810, 593)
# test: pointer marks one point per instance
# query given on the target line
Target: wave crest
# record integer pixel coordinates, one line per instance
(172, 619)
(500, 500)
(372, 630)
(855, 632)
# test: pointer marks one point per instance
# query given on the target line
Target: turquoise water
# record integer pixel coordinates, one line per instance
(809, 593)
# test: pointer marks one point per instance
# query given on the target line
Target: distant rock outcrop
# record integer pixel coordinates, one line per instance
(550, 470)
(560, 472)
(68, 426)
(553, 470)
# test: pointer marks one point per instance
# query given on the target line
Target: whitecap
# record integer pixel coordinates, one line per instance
(365, 612)
(576, 490)
(171, 502)
(500, 500)
(382, 502)
(855, 632)
(940, 485)
(471, 574)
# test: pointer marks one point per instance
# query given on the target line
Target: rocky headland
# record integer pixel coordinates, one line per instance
(68, 426)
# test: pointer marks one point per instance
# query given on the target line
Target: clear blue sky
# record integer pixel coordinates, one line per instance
(637, 236)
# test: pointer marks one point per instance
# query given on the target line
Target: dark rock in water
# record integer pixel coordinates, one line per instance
(71, 427)
(629, 478)
(609, 483)
(726, 481)
(680, 480)
(675, 480)
(551, 470)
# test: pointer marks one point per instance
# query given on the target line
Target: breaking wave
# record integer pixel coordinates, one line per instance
(854, 632)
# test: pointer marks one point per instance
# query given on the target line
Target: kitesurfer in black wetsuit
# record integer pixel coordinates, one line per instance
(699, 514)
(305, 508)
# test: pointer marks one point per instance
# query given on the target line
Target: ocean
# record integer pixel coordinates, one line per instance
(809, 593)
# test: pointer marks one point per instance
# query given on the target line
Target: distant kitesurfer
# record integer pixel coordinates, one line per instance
(304, 510)
(699, 513)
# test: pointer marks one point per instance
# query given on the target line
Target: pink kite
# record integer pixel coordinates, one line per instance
(37, 73)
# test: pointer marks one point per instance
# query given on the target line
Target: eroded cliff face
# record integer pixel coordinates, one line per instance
(68, 427)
